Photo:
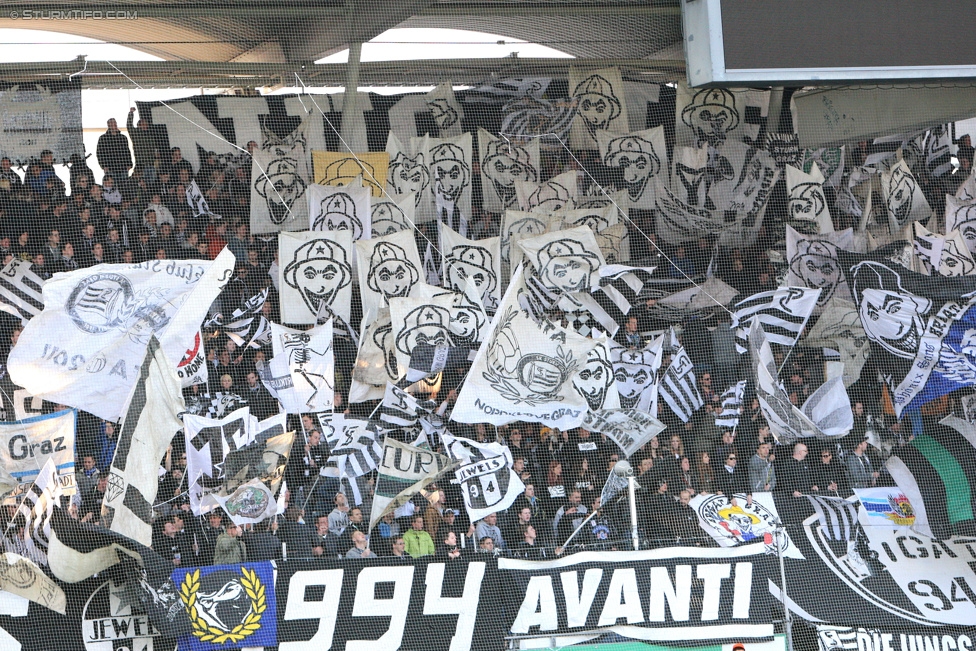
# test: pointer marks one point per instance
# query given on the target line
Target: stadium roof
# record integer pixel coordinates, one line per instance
(261, 42)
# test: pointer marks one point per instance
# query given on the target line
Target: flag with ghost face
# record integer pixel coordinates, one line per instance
(714, 116)
(449, 166)
(922, 329)
(476, 260)
(903, 197)
(601, 105)
(280, 175)
(813, 262)
(388, 216)
(315, 275)
(445, 109)
(595, 379)
(503, 162)
(640, 162)
(565, 262)
(408, 174)
(342, 208)
(418, 321)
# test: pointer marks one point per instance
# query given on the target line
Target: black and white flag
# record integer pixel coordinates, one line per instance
(247, 326)
(728, 418)
(152, 419)
(679, 388)
(782, 312)
(20, 290)
(209, 442)
(837, 517)
(35, 508)
(355, 446)
(630, 429)
(485, 474)
(301, 375)
(400, 409)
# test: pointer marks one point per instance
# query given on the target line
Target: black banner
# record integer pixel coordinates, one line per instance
(664, 595)
(389, 604)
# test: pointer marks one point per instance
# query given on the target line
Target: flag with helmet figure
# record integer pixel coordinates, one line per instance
(504, 162)
(641, 162)
(342, 208)
(315, 275)
(922, 329)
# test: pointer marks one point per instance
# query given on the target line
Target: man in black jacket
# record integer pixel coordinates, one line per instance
(797, 477)
(112, 151)
(730, 480)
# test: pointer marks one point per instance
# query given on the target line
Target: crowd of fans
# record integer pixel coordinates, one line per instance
(140, 212)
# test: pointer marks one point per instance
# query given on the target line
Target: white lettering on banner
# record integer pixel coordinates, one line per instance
(246, 113)
(465, 606)
(624, 599)
(396, 608)
(187, 127)
(325, 611)
(578, 602)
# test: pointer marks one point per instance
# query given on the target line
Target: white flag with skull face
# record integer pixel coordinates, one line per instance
(566, 261)
(389, 267)
(342, 208)
(640, 161)
(601, 105)
(558, 193)
(504, 162)
(524, 371)
(485, 474)
(635, 371)
(445, 109)
(449, 166)
(477, 261)
(813, 262)
(302, 371)
(280, 175)
(315, 275)
(903, 197)
(807, 200)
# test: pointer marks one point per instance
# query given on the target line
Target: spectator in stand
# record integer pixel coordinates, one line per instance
(359, 547)
(584, 481)
(324, 543)
(261, 543)
(418, 542)
(296, 535)
(762, 473)
(685, 480)
(486, 545)
(339, 517)
(860, 470)
(168, 545)
(91, 503)
(489, 527)
(207, 539)
(727, 446)
(830, 475)
(555, 487)
(796, 477)
(398, 549)
(356, 524)
(731, 480)
(112, 151)
(706, 475)
(230, 549)
(433, 514)
(448, 549)
(629, 335)
(530, 547)
(568, 517)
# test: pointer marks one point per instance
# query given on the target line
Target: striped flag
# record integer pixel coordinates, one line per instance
(606, 307)
(837, 517)
(354, 446)
(728, 418)
(36, 508)
(400, 409)
(679, 388)
(782, 312)
(20, 290)
(934, 471)
(247, 326)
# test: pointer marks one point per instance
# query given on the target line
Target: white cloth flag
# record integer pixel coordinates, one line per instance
(960, 215)
(25, 445)
(807, 201)
(641, 162)
(558, 193)
(485, 473)
(524, 371)
(635, 373)
(477, 260)
(85, 348)
(151, 420)
(813, 262)
(903, 197)
(340, 208)
(389, 267)
(250, 503)
(402, 473)
(504, 162)
(739, 520)
(302, 369)
(628, 428)
(839, 328)
(20, 290)
(280, 174)
(947, 255)
(209, 441)
(315, 275)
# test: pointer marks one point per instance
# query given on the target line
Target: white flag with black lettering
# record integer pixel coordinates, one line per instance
(151, 420)
(783, 313)
(485, 473)
(628, 428)
(26, 445)
(85, 348)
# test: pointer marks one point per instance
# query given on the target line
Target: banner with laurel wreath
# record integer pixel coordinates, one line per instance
(228, 606)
